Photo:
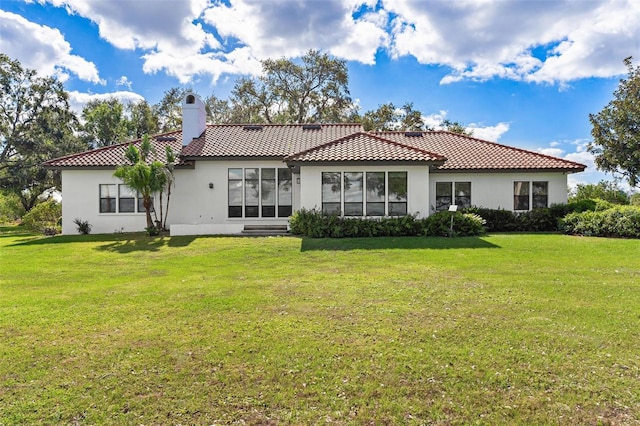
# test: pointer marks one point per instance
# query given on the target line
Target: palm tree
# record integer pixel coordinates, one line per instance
(145, 177)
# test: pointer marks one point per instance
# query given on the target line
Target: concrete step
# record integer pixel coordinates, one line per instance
(265, 230)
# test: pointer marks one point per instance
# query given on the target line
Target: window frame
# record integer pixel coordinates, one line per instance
(284, 185)
(111, 200)
(521, 195)
(268, 192)
(462, 201)
(444, 200)
(373, 202)
(235, 210)
(353, 207)
(240, 182)
(402, 200)
(329, 204)
(133, 199)
(536, 198)
(394, 201)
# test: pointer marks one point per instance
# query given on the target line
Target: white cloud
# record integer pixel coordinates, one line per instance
(290, 28)
(541, 42)
(78, 100)
(166, 31)
(550, 42)
(187, 67)
(124, 81)
(43, 48)
(435, 120)
(132, 24)
(553, 152)
(489, 133)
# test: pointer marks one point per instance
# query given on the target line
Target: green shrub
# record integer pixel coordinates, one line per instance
(464, 224)
(315, 224)
(537, 220)
(496, 220)
(44, 218)
(83, 226)
(10, 208)
(618, 221)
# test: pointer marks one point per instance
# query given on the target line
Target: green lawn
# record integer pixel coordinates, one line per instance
(502, 329)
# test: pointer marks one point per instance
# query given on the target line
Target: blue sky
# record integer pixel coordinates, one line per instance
(525, 73)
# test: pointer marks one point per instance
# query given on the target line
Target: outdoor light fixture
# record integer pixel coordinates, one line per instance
(452, 208)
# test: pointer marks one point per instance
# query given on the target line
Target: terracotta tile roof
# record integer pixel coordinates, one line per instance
(363, 146)
(113, 155)
(331, 142)
(269, 140)
(468, 153)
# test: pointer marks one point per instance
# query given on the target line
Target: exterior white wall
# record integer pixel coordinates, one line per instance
(81, 199)
(417, 184)
(197, 209)
(194, 207)
(495, 190)
(194, 203)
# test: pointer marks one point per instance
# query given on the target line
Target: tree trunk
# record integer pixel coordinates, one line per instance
(146, 202)
(166, 213)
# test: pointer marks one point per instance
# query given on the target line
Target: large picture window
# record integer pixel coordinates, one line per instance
(520, 195)
(255, 192)
(344, 193)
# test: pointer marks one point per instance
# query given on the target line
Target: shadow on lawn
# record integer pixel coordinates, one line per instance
(122, 243)
(386, 243)
(146, 244)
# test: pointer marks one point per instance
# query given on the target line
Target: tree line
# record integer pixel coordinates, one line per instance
(37, 123)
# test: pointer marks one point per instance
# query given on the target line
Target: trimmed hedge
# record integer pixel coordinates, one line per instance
(584, 217)
(618, 221)
(315, 224)
(537, 220)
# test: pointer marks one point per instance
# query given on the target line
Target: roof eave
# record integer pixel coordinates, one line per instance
(508, 170)
(365, 162)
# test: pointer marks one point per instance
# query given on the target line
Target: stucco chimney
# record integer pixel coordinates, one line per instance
(194, 118)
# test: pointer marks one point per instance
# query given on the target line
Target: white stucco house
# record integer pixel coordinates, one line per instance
(232, 177)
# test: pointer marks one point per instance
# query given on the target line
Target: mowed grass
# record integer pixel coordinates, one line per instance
(501, 329)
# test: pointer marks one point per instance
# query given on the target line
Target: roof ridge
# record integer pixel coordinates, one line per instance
(279, 124)
(415, 148)
(362, 133)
